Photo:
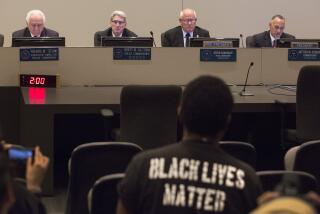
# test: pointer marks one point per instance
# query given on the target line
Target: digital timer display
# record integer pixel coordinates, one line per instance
(45, 81)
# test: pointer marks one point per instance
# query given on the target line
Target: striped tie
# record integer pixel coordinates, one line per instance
(187, 40)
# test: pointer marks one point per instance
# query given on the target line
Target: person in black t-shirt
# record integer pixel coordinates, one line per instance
(195, 175)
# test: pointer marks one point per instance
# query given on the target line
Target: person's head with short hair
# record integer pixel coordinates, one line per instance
(6, 192)
(277, 25)
(118, 22)
(35, 22)
(188, 20)
(206, 107)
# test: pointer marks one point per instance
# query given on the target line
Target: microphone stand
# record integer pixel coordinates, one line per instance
(241, 36)
(154, 43)
(244, 92)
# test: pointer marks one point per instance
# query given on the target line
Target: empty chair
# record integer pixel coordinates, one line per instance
(91, 161)
(103, 195)
(287, 182)
(148, 114)
(305, 157)
(307, 108)
(240, 150)
(308, 104)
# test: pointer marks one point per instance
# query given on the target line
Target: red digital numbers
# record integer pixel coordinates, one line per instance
(37, 80)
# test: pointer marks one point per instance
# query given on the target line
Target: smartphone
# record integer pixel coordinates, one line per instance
(18, 156)
(20, 153)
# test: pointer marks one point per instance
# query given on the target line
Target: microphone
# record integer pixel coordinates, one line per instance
(244, 92)
(154, 43)
(241, 37)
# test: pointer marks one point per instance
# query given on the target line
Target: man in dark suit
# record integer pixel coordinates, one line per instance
(118, 24)
(179, 36)
(35, 26)
(1, 40)
(275, 32)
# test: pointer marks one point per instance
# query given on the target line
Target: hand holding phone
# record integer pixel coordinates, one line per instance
(36, 170)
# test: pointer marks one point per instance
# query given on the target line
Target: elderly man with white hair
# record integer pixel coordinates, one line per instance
(35, 20)
(179, 36)
(118, 24)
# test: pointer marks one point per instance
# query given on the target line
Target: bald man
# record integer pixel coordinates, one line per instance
(275, 32)
(179, 36)
(35, 20)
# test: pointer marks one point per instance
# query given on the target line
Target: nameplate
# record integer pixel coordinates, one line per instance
(218, 44)
(303, 54)
(39, 54)
(305, 45)
(131, 53)
(218, 55)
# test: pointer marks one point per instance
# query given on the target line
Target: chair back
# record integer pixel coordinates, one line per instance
(240, 150)
(308, 103)
(287, 182)
(103, 195)
(91, 161)
(307, 158)
(148, 114)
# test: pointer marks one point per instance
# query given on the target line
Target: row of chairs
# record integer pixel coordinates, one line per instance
(91, 163)
(95, 168)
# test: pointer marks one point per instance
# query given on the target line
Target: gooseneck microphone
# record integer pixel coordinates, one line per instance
(244, 92)
(241, 37)
(154, 43)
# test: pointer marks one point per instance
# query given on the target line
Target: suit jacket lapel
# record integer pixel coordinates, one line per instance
(125, 33)
(43, 33)
(196, 33)
(26, 33)
(268, 39)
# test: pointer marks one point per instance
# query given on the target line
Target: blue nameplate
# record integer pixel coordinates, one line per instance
(218, 55)
(131, 53)
(312, 54)
(39, 54)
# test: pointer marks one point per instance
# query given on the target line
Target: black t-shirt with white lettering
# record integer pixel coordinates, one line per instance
(188, 177)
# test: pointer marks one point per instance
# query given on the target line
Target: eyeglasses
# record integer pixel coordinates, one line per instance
(188, 20)
(118, 22)
(36, 25)
(277, 27)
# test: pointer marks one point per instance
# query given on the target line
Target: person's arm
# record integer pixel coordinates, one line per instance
(36, 170)
(164, 40)
(97, 39)
(207, 34)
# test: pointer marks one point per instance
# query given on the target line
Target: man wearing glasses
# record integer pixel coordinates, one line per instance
(35, 26)
(268, 38)
(179, 36)
(118, 23)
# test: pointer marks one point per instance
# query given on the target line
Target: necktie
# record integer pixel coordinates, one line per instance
(274, 44)
(187, 40)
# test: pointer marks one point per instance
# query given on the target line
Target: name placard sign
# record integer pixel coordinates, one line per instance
(295, 54)
(218, 55)
(304, 45)
(218, 44)
(39, 54)
(131, 53)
